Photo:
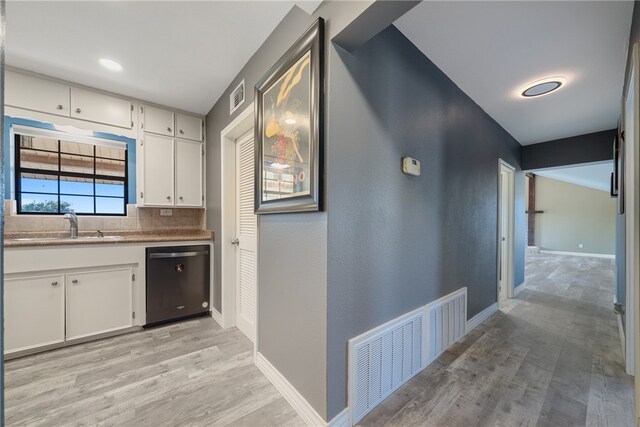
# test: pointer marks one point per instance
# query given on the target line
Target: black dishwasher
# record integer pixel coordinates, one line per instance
(177, 283)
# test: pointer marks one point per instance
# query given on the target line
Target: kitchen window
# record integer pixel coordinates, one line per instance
(55, 174)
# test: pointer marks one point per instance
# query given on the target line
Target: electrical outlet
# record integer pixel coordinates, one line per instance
(580, 245)
(166, 212)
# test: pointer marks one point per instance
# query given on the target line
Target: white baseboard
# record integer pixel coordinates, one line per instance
(217, 317)
(623, 338)
(544, 251)
(291, 395)
(518, 289)
(340, 420)
(481, 317)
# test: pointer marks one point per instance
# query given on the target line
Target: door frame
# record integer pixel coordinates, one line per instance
(504, 166)
(242, 124)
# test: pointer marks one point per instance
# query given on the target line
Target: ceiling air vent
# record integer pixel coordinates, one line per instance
(236, 99)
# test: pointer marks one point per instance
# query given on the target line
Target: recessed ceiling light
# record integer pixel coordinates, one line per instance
(110, 64)
(542, 87)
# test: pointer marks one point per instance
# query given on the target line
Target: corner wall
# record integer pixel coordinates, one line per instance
(397, 242)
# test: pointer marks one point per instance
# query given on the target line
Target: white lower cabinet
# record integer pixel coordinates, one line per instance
(46, 309)
(98, 302)
(33, 312)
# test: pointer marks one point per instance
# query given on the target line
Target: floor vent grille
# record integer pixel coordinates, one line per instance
(446, 320)
(383, 359)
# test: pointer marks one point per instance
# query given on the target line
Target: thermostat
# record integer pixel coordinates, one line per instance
(411, 166)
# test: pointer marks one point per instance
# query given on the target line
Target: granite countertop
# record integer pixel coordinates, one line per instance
(37, 239)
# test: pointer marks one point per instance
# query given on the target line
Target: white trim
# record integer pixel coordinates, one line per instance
(585, 254)
(623, 339)
(481, 317)
(239, 126)
(510, 282)
(341, 420)
(518, 289)
(289, 392)
(217, 317)
(232, 108)
(78, 135)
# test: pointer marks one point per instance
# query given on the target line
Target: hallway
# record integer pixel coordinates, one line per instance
(551, 357)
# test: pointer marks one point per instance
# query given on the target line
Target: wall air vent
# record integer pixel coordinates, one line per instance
(236, 99)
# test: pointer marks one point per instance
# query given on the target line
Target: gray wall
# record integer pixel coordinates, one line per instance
(592, 147)
(573, 215)
(292, 248)
(397, 242)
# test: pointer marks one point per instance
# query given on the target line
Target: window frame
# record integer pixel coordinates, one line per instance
(19, 170)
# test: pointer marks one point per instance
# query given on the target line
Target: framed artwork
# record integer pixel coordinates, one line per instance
(618, 168)
(289, 128)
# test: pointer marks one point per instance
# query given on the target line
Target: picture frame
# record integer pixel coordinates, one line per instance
(289, 103)
(619, 170)
(614, 175)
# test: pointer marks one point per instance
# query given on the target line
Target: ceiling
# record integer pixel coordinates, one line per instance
(180, 54)
(492, 49)
(596, 176)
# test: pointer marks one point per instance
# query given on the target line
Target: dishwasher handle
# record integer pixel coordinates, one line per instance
(177, 254)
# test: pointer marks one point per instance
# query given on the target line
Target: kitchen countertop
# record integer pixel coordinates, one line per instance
(38, 239)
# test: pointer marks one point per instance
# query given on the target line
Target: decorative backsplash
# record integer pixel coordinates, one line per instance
(144, 219)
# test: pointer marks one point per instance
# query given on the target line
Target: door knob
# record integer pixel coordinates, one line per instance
(235, 242)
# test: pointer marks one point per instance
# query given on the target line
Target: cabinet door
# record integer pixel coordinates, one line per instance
(98, 302)
(100, 108)
(33, 312)
(36, 94)
(189, 173)
(158, 173)
(157, 120)
(188, 127)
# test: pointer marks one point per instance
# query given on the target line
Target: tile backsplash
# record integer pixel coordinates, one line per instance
(143, 219)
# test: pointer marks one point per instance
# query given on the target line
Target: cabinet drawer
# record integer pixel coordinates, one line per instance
(33, 312)
(188, 127)
(100, 108)
(157, 120)
(36, 94)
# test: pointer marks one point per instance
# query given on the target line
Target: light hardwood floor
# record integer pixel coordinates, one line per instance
(552, 357)
(186, 374)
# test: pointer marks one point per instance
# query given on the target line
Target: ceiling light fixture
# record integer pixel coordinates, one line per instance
(290, 121)
(542, 87)
(110, 64)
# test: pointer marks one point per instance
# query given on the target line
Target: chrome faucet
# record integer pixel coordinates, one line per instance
(73, 223)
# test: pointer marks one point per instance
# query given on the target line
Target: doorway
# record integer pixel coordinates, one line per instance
(239, 231)
(506, 183)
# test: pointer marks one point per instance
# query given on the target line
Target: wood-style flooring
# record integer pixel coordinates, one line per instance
(186, 374)
(551, 357)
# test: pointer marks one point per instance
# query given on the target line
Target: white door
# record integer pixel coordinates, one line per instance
(246, 232)
(42, 323)
(189, 157)
(36, 94)
(98, 302)
(505, 230)
(157, 120)
(188, 127)
(158, 171)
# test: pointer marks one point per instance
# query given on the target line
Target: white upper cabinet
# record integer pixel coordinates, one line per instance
(33, 93)
(158, 171)
(100, 108)
(189, 161)
(158, 120)
(188, 127)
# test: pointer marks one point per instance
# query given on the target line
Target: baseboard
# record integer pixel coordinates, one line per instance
(544, 251)
(290, 394)
(518, 289)
(623, 338)
(217, 317)
(481, 317)
(340, 420)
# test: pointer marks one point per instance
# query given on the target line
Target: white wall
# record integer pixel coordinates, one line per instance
(574, 215)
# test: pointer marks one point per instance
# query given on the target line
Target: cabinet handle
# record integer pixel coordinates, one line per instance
(180, 198)
(78, 110)
(60, 107)
(168, 197)
(74, 281)
(168, 129)
(54, 283)
(181, 132)
(180, 307)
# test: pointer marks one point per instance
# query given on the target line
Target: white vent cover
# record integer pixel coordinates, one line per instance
(383, 359)
(446, 320)
(236, 99)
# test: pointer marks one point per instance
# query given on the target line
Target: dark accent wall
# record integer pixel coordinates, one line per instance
(397, 242)
(588, 148)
